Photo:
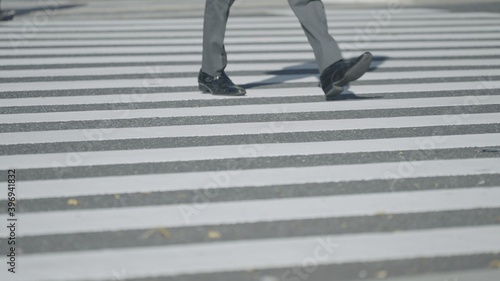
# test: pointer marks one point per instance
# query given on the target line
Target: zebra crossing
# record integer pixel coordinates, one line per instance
(127, 172)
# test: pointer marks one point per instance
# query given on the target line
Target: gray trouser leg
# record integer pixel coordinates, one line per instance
(312, 17)
(214, 28)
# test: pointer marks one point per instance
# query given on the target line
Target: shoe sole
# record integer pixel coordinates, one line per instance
(334, 91)
(353, 74)
(205, 90)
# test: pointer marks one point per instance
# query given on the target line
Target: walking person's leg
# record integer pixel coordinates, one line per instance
(312, 17)
(212, 77)
(214, 30)
(335, 72)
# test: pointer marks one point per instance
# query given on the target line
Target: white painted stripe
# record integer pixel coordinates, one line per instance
(250, 66)
(256, 25)
(424, 87)
(17, 40)
(339, 15)
(255, 93)
(405, 11)
(244, 128)
(233, 40)
(255, 254)
(257, 177)
(244, 57)
(158, 97)
(242, 32)
(261, 79)
(245, 48)
(53, 160)
(476, 275)
(67, 116)
(150, 83)
(245, 22)
(355, 11)
(116, 219)
(145, 83)
(429, 74)
(159, 69)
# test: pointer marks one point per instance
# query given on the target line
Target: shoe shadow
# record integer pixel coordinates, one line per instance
(25, 11)
(308, 70)
(290, 73)
(349, 95)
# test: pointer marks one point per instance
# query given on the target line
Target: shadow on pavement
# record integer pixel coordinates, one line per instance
(25, 11)
(304, 70)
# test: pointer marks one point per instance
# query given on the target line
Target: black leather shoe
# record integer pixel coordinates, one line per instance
(6, 15)
(221, 85)
(336, 76)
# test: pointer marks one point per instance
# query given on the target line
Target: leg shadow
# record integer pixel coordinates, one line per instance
(290, 73)
(309, 69)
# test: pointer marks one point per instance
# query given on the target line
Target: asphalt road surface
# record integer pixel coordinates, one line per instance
(125, 171)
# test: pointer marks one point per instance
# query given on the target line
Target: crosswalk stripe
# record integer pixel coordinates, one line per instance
(17, 40)
(53, 160)
(130, 98)
(67, 222)
(277, 25)
(256, 93)
(477, 275)
(253, 39)
(398, 11)
(159, 69)
(205, 258)
(267, 230)
(66, 116)
(246, 48)
(339, 16)
(244, 57)
(369, 10)
(245, 128)
(256, 177)
(261, 79)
